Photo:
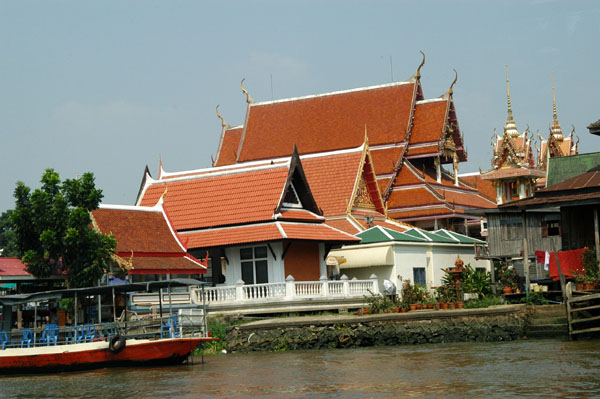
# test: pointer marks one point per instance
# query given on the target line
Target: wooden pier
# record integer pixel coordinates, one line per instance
(583, 313)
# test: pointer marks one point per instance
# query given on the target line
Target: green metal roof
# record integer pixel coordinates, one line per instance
(430, 236)
(461, 238)
(383, 234)
(564, 168)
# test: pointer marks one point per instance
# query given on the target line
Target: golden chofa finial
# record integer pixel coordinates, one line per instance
(224, 124)
(249, 99)
(450, 90)
(164, 194)
(418, 74)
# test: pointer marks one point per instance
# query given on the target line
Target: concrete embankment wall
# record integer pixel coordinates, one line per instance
(503, 323)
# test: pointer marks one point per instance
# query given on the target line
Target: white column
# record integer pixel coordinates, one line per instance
(239, 290)
(375, 281)
(290, 287)
(324, 286)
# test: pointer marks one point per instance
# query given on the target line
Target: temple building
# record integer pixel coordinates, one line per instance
(259, 222)
(514, 173)
(410, 138)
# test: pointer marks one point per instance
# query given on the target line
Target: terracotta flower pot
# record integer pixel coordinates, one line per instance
(451, 305)
(413, 306)
(403, 310)
(579, 286)
(419, 306)
(460, 305)
(588, 286)
(445, 305)
(507, 290)
(438, 306)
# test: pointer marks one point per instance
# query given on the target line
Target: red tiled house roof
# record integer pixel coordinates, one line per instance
(146, 241)
(327, 122)
(12, 267)
(241, 204)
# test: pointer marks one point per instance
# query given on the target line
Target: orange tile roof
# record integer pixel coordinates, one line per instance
(384, 159)
(265, 232)
(430, 119)
(392, 225)
(228, 146)
(145, 240)
(298, 214)
(412, 197)
(166, 265)
(344, 225)
(327, 122)
(471, 200)
(137, 230)
(485, 188)
(413, 214)
(210, 200)
(428, 149)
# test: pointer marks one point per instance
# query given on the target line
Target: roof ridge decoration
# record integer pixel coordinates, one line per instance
(418, 73)
(249, 99)
(361, 193)
(224, 124)
(451, 89)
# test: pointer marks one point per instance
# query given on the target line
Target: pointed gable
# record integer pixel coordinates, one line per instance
(327, 122)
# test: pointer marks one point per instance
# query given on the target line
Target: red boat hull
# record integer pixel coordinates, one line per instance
(96, 355)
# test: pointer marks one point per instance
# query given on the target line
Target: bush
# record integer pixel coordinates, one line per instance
(483, 302)
(379, 303)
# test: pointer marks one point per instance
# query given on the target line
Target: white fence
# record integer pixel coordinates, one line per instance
(290, 290)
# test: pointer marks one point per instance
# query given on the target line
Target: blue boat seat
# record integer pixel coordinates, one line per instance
(171, 328)
(27, 337)
(5, 340)
(89, 332)
(49, 334)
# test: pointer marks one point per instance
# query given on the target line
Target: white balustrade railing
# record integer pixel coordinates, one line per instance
(241, 293)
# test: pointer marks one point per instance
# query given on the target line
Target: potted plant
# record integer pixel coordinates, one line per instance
(579, 278)
(508, 278)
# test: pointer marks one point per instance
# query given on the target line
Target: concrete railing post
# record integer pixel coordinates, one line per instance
(324, 286)
(290, 287)
(239, 290)
(375, 287)
(345, 286)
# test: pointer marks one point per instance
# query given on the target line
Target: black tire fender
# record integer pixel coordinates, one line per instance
(117, 344)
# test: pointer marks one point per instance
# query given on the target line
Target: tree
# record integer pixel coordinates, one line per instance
(8, 238)
(54, 229)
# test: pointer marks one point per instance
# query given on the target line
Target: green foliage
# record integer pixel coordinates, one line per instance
(8, 237)
(590, 265)
(379, 303)
(67, 304)
(535, 298)
(415, 294)
(507, 276)
(54, 233)
(477, 281)
(483, 302)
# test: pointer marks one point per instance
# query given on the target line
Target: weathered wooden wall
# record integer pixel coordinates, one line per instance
(578, 226)
(505, 234)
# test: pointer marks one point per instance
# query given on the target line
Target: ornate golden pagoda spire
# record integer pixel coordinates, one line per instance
(555, 129)
(510, 128)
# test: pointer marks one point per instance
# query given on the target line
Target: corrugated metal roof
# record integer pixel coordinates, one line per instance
(564, 168)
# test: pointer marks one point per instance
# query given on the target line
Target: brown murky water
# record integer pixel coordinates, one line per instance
(535, 368)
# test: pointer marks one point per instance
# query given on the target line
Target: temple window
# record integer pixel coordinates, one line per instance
(254, 265)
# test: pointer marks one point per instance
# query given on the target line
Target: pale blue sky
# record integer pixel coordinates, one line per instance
(107, 86)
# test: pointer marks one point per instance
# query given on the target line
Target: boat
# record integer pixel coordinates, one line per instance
(159, 340)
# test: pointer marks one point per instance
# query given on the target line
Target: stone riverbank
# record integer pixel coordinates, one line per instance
(498, 323)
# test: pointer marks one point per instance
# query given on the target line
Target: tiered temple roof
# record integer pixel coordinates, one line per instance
(401, 125)
(259, 202)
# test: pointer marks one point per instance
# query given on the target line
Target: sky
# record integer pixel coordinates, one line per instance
(112, 86)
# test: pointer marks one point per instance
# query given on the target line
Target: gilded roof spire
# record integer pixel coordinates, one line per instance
(555, 129)
(510, 127)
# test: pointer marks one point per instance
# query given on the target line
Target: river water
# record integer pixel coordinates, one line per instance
(527, 368)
